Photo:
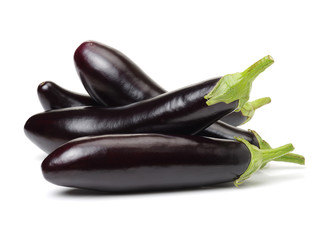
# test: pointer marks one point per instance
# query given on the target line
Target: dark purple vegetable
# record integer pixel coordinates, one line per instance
(150, 162)
(179, 112)
(56, 96)
(95, 63)
(52, 96)
(112, 79)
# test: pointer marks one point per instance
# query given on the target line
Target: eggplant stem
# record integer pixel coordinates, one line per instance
(237, 86)
(249, 108)
(259, 157)
(290, 157)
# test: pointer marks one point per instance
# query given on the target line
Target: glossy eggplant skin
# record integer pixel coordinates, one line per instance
(145, 162)
(52, 96)
(219, 129)
(179, 112)
(110, 77)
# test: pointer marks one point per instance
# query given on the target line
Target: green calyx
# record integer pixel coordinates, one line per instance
(237, 86)
(259, 157)
(249, 108)
(263, 155)
(290, 157)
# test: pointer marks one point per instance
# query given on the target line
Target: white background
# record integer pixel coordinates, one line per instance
(177, 43)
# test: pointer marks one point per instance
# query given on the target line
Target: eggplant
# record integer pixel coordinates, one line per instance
(112, 79)
(95, 63)
(180, 112)
(183, 111)
(52, 96)
(154, 162)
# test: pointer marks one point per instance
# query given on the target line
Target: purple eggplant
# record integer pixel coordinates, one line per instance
(96, 63)
(180, 112)
(154, 162)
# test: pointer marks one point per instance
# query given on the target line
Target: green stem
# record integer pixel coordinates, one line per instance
(237, 86)
(271, 154)
(253, 71)
(290, 157)
(249, 108)
(260, 157)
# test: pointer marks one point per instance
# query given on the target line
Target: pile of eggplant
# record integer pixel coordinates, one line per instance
(130, 135)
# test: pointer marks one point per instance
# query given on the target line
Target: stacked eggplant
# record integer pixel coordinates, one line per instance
(129, 134)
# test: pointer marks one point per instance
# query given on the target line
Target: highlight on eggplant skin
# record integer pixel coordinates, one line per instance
(145, 162)
(54, 97)
(110, 77)
(183, 111)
